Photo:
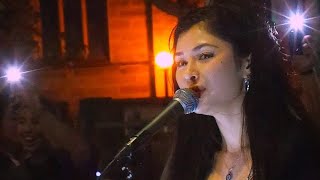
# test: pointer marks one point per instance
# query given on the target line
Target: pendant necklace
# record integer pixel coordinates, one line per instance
(229, 176)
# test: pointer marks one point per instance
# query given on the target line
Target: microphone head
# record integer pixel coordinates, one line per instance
(188, 99)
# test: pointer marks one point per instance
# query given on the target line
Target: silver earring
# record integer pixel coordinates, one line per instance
(246, 83)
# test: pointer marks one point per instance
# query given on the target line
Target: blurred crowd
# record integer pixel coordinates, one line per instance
(35, 143)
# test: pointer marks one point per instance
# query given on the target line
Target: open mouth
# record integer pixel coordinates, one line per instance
(198, 90)
(30, 140)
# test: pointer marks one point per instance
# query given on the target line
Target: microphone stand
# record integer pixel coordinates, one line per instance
(148, 131)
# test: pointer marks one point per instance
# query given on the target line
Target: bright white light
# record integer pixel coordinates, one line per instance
(98, 174)
(13, 74)
(296, 21)
(164, 60)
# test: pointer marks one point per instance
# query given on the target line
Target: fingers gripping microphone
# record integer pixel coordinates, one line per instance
(185, 101)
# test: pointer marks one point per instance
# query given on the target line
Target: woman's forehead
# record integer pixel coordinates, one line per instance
(24, 102)
(197, 35)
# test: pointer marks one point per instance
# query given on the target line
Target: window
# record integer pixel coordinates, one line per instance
(50, 28)
(98, 29)
(73, 29)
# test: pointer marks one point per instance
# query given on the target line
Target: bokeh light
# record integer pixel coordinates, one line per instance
(13, 74)
(296, 21)
(98, 173)
(164, 60)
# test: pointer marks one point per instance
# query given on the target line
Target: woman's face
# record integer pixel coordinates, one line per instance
(28, 129)
(207, 61)
(25, 111)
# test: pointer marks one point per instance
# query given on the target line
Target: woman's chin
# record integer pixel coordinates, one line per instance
(31, 146)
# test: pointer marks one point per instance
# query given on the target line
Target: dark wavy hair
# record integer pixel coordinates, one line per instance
(274, 118)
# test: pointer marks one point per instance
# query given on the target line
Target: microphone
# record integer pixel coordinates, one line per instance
(185, 101)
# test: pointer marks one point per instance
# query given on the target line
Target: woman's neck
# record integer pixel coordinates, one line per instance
(231, 132)
(230, 122)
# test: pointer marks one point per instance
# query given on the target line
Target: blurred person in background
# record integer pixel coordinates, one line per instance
(49, 149)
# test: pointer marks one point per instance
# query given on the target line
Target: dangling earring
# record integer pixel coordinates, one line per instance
(246, 83)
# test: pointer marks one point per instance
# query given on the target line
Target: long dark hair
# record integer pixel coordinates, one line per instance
(273, 113)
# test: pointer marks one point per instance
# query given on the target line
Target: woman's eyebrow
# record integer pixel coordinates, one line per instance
(203, 45)
(178, 54)
(197, 48)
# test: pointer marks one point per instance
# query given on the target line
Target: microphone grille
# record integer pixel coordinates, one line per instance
(188, 99)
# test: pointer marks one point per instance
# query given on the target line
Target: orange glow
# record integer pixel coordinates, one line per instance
(164, 60)
(162, 27)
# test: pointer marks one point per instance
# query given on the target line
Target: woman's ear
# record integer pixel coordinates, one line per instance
(246, 66)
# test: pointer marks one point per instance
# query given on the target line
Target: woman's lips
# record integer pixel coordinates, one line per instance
(198, 90)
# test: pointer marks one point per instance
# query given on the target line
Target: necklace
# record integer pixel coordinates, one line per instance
(250, 176)
(229, 175)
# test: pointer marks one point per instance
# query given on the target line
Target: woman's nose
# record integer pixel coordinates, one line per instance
(192, 77)
(28, 127)
(191, 74)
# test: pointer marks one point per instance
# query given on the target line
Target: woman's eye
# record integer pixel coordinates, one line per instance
(34, 121)
(205, 56)
(21, 121)
(181, 63)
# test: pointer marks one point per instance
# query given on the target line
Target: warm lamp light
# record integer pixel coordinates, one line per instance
(164, 60)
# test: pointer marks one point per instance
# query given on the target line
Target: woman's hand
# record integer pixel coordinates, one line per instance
(304, 64)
